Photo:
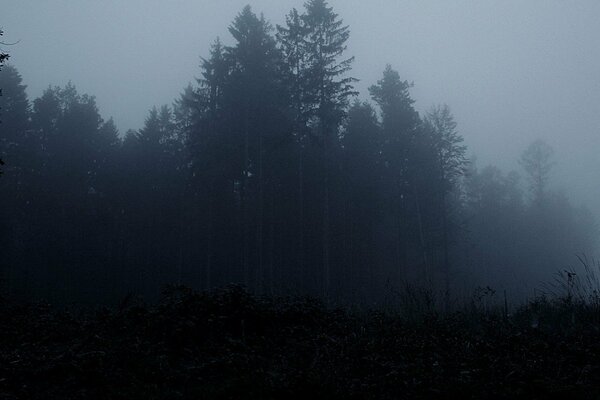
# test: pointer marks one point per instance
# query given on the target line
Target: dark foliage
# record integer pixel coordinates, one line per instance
(3, 57)
(266, 173)
(230, 344)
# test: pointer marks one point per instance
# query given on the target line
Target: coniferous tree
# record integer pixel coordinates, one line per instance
(262, 173)
(253, 94)
(291, 40)
(16, 149)
(403, 205)
(14, 136)
(450, 165)
(326, 95)
(537, 162)
(66, 128)
(155, 210)
(211, 172)
(236, 133)
(362, 171)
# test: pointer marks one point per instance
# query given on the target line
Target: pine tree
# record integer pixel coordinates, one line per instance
(253, 93)
(450, 165)
(537, 161)
(3, 57)
(362, 171)
(327, 94)
(402, 200)
(15, 146)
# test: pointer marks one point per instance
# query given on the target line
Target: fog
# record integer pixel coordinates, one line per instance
(295, 199)
(512, 73)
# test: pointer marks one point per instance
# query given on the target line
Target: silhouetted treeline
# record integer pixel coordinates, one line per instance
(3, 57)
(267, 172)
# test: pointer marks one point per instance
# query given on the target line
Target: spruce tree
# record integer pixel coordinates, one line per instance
(326, 95)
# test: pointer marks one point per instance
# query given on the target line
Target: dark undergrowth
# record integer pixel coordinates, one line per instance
(229, 344)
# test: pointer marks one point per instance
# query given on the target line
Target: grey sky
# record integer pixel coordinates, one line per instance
(511, 70)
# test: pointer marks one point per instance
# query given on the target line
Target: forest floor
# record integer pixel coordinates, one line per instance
(231, 345)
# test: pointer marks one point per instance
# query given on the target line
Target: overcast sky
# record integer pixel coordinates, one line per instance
(510, 70)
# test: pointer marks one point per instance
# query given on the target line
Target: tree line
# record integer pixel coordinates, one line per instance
(3, 57)
(268, 172)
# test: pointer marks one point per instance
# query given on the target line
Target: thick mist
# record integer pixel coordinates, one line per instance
(512, 71)
(332, 199)
(450, 145)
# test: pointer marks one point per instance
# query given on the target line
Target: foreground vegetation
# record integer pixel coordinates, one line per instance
(230, 344)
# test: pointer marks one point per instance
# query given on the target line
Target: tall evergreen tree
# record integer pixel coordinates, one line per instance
(450, 165)
(327, 94)
(238, 129)
(362, 171)
(15, 187)
(403, 203)
(14, 124)
(211, 168)
(253, 95)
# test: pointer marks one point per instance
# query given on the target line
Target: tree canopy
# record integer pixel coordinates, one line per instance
(269, 172)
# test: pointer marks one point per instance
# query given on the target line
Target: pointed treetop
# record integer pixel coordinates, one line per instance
(391, 90)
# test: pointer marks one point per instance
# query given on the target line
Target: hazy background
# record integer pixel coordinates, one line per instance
(511, 71)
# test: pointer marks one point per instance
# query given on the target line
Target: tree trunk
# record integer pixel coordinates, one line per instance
(260, 224)
(422, 236)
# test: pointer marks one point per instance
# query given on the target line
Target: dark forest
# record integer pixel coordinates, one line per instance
(271, 175)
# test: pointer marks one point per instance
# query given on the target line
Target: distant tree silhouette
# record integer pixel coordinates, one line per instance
(264, 173)
(3, 57)
(537, 161)
(14, 140)
(327, 93)
(403, 222)
(449, 163)
(362, 169)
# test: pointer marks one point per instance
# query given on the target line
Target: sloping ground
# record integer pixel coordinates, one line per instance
(230, 345)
